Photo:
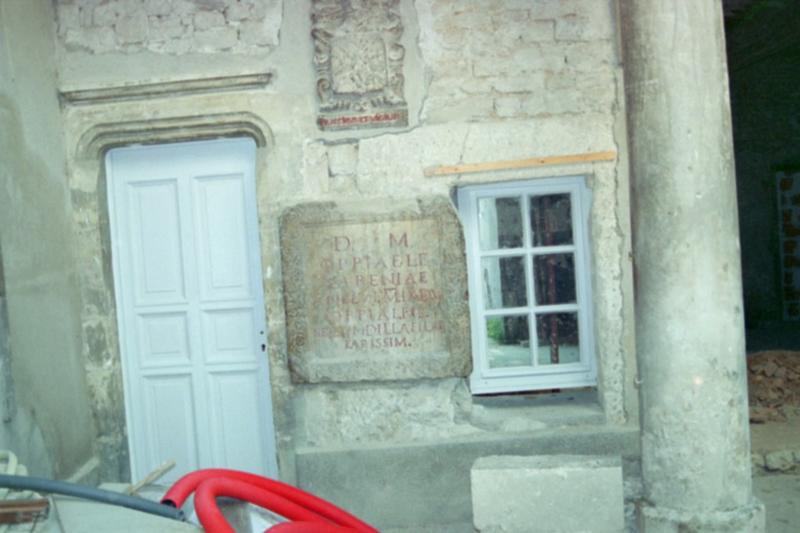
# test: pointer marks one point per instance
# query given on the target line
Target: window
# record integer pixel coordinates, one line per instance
(529, 285)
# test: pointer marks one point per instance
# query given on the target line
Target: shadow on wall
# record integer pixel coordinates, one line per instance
(763, 54)
(49, 429)
(18, 431)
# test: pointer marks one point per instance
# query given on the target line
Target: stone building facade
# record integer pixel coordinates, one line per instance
(359, 111)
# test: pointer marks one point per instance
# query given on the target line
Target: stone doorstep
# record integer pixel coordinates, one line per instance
(777, 461)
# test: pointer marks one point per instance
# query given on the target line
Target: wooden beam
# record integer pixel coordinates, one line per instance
(22, 511)
(467, 168)
(151, 477)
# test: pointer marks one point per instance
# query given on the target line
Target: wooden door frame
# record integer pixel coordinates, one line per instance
(101, 350)
(133, 393)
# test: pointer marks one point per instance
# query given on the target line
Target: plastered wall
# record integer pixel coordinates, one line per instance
(48, 423)
(484, 81)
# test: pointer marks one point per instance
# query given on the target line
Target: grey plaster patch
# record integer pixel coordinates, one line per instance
(97, 344)
(8, 405)
(369, 291)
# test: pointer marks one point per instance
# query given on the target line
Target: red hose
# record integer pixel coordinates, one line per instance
(214, 521)
(308, 527)
(180, 491)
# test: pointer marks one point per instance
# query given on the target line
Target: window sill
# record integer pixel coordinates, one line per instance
(530, 410)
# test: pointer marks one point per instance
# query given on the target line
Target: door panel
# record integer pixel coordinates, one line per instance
(155, 236)
(220, 218)
(231, 418)
(190, 306)
(228, 336)
(169, 422)
(163, 340)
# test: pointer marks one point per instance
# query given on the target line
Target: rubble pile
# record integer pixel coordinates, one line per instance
(773, 384)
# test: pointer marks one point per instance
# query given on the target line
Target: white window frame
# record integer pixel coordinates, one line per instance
(485, 380)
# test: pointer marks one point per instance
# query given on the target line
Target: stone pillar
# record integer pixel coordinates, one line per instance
(689, 321)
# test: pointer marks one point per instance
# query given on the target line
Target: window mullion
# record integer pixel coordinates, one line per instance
(561, 249)
(481, 307)
(531, 289)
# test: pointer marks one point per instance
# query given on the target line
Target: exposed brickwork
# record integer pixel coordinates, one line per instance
(169, 26)
(499, 60)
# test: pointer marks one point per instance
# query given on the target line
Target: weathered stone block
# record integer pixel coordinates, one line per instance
(508, 106)
(215, 39)
(100, 40)
(375, 292)
(588, 56)
(557, 493)
(342, 159)
(779, 461)
(158, 7)
(85, 15)
(757, 460)
(447, 108)
(334, 415)
(164, 28)
(584, 28)
(533, 82)
(68, 18)
(132, 28)
(237, 11)
(262, 8)
(204, 20)
(105, 14)
(257, 34)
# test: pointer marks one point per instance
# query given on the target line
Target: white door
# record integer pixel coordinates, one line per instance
(190, 306)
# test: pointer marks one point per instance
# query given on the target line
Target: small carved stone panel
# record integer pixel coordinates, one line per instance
(359, 63)
(375, 297)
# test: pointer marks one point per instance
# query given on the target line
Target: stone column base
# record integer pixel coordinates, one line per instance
(748, 519)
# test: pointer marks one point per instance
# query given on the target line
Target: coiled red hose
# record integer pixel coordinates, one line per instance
(205, 501)
(308, 527)
(286, 500)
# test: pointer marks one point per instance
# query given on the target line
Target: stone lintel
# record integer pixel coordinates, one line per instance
(170, 89)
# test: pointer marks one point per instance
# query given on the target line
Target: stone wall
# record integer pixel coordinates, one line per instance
(482, 81)
(49, 424)
(169, 26)
(505, 60)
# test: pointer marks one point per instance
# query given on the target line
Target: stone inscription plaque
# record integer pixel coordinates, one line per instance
(375, 297)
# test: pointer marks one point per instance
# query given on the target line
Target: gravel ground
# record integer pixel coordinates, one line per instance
(780, 493)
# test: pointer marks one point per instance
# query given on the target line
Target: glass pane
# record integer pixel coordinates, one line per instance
(551, 220)
(508, 341)
(554, 275)
(557, 338)
(503, 282)
(499, 223)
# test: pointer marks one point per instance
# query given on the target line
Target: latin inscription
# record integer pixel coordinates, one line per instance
(376, 288)
(377, 120)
